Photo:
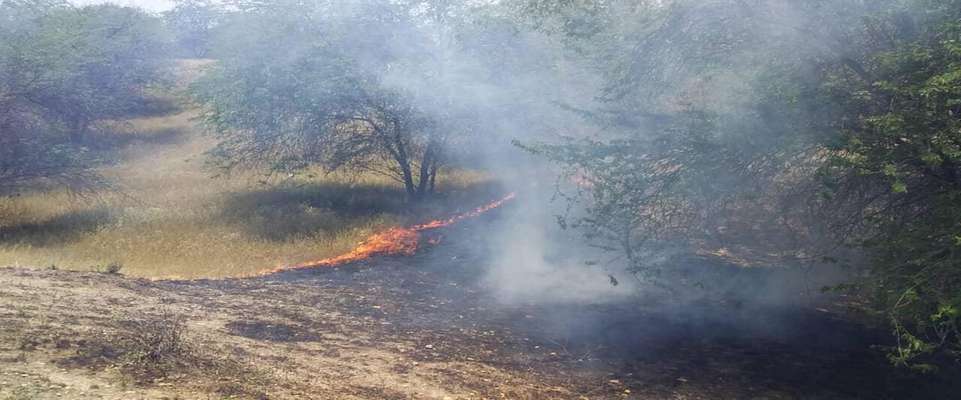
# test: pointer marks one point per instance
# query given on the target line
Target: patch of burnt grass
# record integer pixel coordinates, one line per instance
(272, 332)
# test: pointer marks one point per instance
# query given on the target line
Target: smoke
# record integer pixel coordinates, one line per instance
(488, 78)
(534, 261)
(486, 84)
(148, 5)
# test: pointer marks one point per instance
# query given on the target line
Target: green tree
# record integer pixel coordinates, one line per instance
(86, 64)
(320, 99)
(827, 123)
(896, 169)
(710, 125)
(62, 68)
(107, 57)
(191, 22)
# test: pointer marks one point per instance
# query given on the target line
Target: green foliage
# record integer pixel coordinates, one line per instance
(827, 123)
(192, 23)
(81, 65)
(698, 130)
(320, 98)
(898, 165)
(61, 69)
(640, 196)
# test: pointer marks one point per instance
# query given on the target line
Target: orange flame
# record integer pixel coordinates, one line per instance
(393, 241)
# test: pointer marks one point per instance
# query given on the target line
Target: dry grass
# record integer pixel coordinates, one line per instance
(168, 217)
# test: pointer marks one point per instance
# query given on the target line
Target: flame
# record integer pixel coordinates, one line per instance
(470, 214)
(393, 241)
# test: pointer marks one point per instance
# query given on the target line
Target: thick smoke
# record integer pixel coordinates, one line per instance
(488, 80)
(493, 88)
(494, 84)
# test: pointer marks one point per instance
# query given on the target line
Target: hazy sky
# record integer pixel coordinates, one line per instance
(150, 5)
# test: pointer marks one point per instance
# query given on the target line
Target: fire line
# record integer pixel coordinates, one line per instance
(393, 241)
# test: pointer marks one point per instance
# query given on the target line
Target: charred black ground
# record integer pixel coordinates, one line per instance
(739, 350)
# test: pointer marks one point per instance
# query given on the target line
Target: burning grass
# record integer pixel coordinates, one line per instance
(394, 241)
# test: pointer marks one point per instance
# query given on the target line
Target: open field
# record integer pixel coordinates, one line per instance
(420, 327)
(480, 200)
(428, 326)
(168, 216)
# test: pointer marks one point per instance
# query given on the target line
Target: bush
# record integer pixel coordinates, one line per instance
(153, 343)
(112, 268)
(145, 346)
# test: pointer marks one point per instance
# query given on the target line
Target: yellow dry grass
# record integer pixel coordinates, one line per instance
(168, 217)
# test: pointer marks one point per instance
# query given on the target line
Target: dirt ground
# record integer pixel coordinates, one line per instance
(423, 327)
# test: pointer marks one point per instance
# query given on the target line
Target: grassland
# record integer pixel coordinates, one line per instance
(168, 216)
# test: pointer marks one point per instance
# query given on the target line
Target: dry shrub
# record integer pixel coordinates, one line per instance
(144, 346)
(154, 342)
(155, 347)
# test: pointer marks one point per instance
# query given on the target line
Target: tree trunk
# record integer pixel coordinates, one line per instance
(433, 178)
(426, 165)
(78, 130)
(408, 177)
(399, 151)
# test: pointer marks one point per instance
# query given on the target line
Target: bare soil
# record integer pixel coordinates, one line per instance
(424, 327)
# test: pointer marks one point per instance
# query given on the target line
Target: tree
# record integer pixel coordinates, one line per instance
(320, 99)
(709, 125)
(191, 22)
(730, 115)
(32, 144)
(108, 56)
(62, 68)
(82, 65)
(895, 174)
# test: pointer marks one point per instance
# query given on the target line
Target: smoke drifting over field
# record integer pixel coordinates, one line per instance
(479, 83)
(465, 81)
(476, 77)
(620, 181)
(488, 84)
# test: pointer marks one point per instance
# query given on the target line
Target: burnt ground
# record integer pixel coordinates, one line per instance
(424, 327)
